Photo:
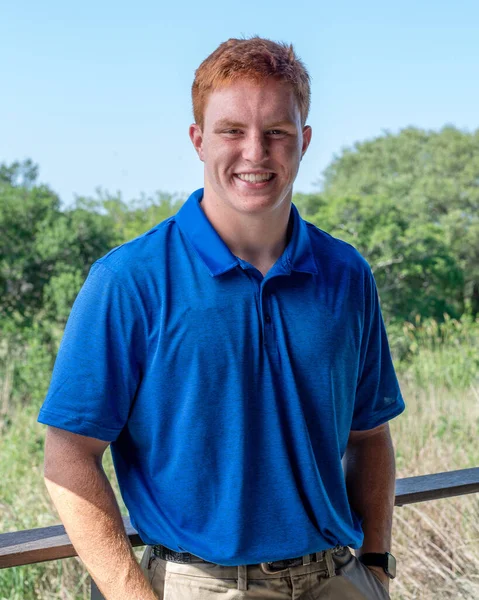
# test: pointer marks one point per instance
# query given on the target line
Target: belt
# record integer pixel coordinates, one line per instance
(267, 567)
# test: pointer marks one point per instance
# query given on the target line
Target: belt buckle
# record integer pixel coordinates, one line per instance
(269, 570)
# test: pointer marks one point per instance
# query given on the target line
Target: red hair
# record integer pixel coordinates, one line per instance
(254, 59)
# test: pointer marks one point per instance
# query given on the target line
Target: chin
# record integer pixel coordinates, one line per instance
(256, 204)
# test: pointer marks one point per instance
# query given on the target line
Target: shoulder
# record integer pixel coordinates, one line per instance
(336, 253)
(138, 250)
(135, 262)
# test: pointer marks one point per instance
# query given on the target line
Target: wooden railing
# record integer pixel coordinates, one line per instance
(50, 543)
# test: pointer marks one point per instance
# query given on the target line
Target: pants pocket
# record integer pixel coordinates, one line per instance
(146, 562)
(376, 584)
(366, 583)
(154, 571)
(181, 586)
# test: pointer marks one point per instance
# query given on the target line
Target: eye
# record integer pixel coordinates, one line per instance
(232, 131)
(276, 132)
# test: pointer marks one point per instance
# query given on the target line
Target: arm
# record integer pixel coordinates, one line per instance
(85, 501)
(370, 480)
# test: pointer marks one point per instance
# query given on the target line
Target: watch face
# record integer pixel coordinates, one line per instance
(391, 568)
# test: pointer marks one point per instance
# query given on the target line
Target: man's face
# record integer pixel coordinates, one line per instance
(251, 143)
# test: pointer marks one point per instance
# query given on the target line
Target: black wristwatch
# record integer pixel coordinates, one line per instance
(386, 561)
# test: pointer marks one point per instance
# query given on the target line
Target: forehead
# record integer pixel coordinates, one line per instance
(271, 100)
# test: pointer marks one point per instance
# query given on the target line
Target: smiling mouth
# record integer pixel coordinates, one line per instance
(255, 177)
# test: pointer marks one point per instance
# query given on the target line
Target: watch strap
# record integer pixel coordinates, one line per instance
(384, 560)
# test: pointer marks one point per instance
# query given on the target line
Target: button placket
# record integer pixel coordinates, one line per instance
(266, 316)
(258, 299)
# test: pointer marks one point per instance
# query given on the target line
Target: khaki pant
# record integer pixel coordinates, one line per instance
(202, 581)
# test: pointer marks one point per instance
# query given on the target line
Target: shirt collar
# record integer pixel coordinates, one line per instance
(218, 258)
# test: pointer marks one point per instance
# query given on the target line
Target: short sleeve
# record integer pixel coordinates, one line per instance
(99, 363)
(378, 397)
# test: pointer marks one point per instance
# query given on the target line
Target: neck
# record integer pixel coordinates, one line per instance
(259, 239)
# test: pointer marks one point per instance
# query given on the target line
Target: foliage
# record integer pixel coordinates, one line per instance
(415, 270)
(45, 255)
(39, 246)
(435, 542)
(134, 218)
(22, 174)
(411, 203)
(444, 353)
(426, 169)
(24, 214)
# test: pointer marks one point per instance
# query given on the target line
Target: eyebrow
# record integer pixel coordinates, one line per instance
(225, 123)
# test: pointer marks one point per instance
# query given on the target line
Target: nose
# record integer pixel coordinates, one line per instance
(255, 148)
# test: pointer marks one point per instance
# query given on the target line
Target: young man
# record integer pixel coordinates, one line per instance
(233, 356)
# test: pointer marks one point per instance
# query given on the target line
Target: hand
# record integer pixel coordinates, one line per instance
(379, 573)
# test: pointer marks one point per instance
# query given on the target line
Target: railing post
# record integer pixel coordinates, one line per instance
(95, 592)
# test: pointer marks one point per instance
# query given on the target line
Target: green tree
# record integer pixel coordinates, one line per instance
(137, 216)
(410, 203)
(45, 255)
(431, 171)
(42, 249)
(23, 174)
(414, 268)
(24, 211)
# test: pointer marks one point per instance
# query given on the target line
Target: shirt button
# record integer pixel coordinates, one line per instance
(267, 319)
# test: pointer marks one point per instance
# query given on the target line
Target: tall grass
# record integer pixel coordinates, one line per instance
(438, 354)
(436, 543)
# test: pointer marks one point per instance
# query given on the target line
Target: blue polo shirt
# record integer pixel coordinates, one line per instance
(228, 397)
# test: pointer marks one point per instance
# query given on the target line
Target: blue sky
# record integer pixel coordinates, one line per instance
(98, 93)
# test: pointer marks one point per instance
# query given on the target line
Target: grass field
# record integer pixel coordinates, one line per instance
(436, 543)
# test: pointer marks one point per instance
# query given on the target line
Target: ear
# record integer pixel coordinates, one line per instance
(196, 137)
(307, 133)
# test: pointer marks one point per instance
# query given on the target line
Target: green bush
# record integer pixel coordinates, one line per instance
(438, 354)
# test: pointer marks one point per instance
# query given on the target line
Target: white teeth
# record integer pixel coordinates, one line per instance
(255, 177)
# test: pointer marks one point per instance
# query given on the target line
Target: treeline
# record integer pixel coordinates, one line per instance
(408, 202)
